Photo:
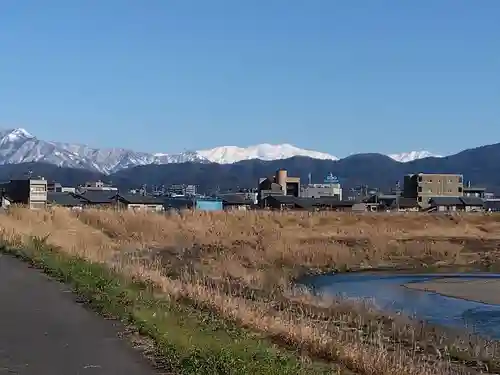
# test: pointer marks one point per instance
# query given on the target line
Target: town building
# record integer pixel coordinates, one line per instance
(181, 190)
(29, 191)
(456, 204)
(63, 199)
(97, 198)
(279, 184)
(138, 202)
(238, 201)
(424, 186)
(98, 186)
(475, 191)
(288, 202)
(56, 187)
(192, 203)
(329, 188)
(392, 202)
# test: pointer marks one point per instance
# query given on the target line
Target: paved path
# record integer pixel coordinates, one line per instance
(43, 331)
(478, 290)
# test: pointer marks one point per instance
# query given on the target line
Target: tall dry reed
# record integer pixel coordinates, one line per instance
(242, 265)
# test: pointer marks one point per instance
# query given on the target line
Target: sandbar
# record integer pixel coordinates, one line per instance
(477, 290)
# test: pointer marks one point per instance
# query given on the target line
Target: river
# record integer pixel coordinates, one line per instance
(388, 293)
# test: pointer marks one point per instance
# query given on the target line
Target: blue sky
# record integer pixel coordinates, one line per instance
(334, 76)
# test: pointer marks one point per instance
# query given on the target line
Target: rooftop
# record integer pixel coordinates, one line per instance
(64, 199)
(139, 199)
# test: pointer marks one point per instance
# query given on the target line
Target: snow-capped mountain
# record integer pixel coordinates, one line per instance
(412, 155)
(233, 154)
(19, 146)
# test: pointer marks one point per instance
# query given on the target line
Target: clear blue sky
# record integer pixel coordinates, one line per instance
(335, 76)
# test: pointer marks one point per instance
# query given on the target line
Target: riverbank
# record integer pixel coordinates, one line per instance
(239, 268)
(482, 290)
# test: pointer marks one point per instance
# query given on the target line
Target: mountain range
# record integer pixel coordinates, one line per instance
(19, 146)
(71, 165)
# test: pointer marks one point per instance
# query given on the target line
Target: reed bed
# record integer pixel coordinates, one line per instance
(242, 265)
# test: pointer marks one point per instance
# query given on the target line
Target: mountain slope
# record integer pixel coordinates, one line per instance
(19, 146)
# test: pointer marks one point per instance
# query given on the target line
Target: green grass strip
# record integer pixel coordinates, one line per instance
(188, 340)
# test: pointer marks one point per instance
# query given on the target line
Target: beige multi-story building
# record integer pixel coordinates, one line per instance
(424, 186)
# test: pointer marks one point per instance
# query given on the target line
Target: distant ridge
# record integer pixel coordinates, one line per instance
(478, 165)
(20, 146)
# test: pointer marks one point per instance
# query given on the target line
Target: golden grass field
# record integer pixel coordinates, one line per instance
(242, 265)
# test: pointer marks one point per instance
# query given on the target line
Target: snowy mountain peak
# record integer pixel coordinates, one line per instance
(13, 135)
(412, 155)
(265, 151)
(19, 146)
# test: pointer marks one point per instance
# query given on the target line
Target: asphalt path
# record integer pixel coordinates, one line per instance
(44, 331)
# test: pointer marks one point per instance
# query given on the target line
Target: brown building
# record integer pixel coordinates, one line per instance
(424, 186)
(280, 184)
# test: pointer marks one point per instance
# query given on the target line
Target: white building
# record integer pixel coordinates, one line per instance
(329, 188)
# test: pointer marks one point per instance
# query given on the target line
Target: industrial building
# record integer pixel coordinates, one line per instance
(329, 188)
(280, 184)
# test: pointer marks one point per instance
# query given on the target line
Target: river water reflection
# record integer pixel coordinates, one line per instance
(388, 293)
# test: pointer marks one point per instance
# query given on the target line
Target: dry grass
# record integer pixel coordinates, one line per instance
(242, 265)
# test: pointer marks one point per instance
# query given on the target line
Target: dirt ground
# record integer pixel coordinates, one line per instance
(479, 290)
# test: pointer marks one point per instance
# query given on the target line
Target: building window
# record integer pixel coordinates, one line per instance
(460, 189)
(37, 205)
(38, 188)
(420, 189)
(419, 178)
(420, 199)
(460, 180)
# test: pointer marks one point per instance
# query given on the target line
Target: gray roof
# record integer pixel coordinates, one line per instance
(235, 199)
(139, 199)
(64, 199)
(457, 201)
(283, 199)
(96, 197)
(472, 201)
(474, 188)
(493, 205)
(445, 201)
(404, 202)
(308, 203)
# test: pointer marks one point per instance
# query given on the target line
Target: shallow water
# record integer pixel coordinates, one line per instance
(388, 293)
